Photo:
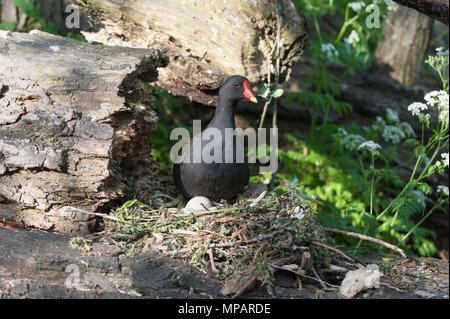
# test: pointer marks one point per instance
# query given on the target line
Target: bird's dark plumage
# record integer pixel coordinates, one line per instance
(217, 180)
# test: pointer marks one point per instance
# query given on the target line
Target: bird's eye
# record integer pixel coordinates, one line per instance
(237, 85)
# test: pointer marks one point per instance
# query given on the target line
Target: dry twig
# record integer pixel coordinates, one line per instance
(211, 259)
(358, 264)
(100, 215)
(305, 276)
(364, 237)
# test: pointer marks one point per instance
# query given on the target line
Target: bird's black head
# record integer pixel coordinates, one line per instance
(237, 88)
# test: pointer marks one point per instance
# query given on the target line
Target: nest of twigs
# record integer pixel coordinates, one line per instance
(242, 243)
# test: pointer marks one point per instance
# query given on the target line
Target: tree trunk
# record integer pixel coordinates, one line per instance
(75, 120)
(8, 12)
(400, 55)
(206, 41)
(436, 9)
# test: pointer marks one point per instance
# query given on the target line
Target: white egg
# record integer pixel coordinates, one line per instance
(198, 204)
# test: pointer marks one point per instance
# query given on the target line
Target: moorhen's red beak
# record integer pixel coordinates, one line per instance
(248, 92)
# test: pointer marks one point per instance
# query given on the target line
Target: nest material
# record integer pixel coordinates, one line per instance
(241, 244)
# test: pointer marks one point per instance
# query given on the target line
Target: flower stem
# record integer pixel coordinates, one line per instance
(420, 222)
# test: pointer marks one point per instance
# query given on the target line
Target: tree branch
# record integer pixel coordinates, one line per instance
(436, 9)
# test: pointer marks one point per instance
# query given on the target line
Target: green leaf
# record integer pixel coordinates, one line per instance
(28, 7)
(424, 188)
(278, 93)
(264, 91)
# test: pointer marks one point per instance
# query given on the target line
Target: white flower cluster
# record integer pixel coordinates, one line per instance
(369, 145)
(439, 99)
(444, 162)
(445, 159)
(391, 5)
(350, 142)
(379, 124)
(353, 38)
(357, 5)
(392, 116)
(434, 98)
(329, 49)
(416, 108)
(443, 190)
(393, 133)
(312, 8)
(392, 129)
(441, 52)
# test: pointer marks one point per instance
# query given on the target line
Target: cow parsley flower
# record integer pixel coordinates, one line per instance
(357, 5)
(329, 49)
(379, 124)
(351, 142)
(353, 38)
(443, 117)
(443, 190)
(440, 52)
(416, 108)
(393, 133)
(434, 98)
(444, 159)
(443, 100)
(392, 116)
(391, 5)
(369, 145)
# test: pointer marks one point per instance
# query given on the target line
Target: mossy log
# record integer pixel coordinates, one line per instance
(75, 121)
(206, 41)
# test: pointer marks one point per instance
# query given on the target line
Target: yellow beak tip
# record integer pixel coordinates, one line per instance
(254, 100)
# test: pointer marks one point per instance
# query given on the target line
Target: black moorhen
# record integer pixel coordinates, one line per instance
(217, 180)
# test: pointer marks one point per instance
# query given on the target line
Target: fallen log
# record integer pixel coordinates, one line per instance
(436, 9)
(75, 120)
(42, 265)
(206, 41)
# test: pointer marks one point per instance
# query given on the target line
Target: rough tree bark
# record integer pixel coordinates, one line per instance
(436, 9)
(401, 53)
(75, 120)
(206, 41)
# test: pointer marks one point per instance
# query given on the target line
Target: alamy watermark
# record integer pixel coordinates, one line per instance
(73, 17)
(73, 279)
